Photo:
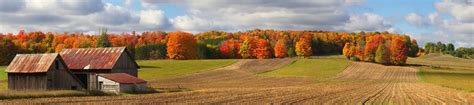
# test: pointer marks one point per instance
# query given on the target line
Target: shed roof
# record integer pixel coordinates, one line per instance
(31, 63)
(93, 58)
(122, 78)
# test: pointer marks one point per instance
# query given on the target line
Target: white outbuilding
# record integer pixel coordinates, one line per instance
(120, 82)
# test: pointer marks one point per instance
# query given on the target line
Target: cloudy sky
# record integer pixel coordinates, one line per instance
(450, 21)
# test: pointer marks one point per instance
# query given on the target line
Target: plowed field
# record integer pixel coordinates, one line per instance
(362, 83)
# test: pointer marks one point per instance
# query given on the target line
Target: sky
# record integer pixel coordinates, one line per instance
(448, 21)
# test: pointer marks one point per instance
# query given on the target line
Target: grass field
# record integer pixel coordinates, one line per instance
(443, 61)
(3, 75)
(159, 69)
(458, 79)
(319, 69)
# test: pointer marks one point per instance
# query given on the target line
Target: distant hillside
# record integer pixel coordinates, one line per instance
(444, 57)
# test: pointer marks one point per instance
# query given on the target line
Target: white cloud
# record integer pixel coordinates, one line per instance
(368, 22)
(231, 15)
(456, 28)
(113, 15)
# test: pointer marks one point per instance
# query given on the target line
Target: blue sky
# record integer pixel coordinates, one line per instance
(449, 21)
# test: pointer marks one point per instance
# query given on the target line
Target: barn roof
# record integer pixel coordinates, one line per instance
(31, 63)
(122, 78)
(93, 58)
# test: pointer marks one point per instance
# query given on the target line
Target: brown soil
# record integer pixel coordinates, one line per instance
(362, 83)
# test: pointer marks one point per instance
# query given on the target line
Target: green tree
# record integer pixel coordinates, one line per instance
(103, 39)
(381, 55)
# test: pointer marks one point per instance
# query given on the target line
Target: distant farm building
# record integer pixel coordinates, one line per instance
(86, 63)
(120, 82)
(40, 72)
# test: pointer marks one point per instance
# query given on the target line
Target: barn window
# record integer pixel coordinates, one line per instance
(73, 87)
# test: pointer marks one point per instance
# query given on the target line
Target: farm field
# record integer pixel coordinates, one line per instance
(257, 81)
(326, 68)
(156, 69)
(458, 79)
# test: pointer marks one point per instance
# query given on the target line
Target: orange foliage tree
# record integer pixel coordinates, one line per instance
(349, 50)
(181, 46)
(280, 49)
(263, 49)
(303, 47)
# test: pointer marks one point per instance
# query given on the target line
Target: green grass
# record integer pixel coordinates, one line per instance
(159, 69)
(458, 79)
(318, 69)
(3, 75)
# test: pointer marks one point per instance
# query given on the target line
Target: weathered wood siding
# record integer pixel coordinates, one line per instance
(125, 64)
(61, 78)
(56, 78)
(27, 81)
(108, 85)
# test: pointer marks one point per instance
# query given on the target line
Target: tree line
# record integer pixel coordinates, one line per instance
(252, 44)
(462, 52)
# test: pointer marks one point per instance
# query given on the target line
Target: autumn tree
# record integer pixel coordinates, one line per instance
(181, 46)
(399, 51)
(280, 49)
(349, 50)
(263, 49)
(230, 49)
(303, 47)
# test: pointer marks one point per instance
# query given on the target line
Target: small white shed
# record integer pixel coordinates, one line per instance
(120, 82)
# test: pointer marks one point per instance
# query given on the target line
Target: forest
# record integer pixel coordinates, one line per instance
(379, 47)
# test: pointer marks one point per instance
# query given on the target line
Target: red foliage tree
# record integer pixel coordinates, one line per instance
(399, 51)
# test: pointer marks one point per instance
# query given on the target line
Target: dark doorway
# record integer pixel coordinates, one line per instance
(83, 79)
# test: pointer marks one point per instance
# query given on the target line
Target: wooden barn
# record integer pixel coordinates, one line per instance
(86, 63)
(40, 72)
(120, 82)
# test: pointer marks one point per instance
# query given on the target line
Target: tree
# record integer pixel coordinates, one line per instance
(230, 49)
(263, 49)
(246, 49)
(8, 50)
(398, 51)
(381, 55)
(103, 39)
(181, 46)
(280, 49)
(450, 47)
(349, 50)
(413, 49)
(303, 47)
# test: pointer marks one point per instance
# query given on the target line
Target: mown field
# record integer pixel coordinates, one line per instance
(458, 79)
(159, 69)
(318, 69)
(446, 71)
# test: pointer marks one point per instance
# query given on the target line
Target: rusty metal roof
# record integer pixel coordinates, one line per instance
(31, 63)
(122, 78)
(92, 58)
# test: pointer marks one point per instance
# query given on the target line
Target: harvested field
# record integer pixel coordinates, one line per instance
(363, 83)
